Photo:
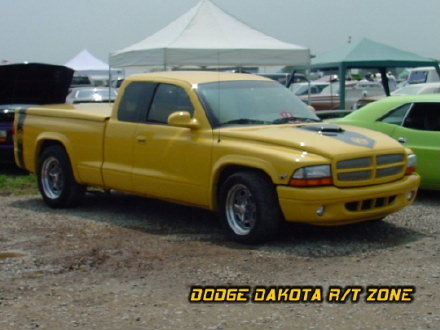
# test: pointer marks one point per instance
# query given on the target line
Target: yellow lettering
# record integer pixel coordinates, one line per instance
(196, 294)
(317, 295)
(334, 294)
(259, 294)
(271, 296)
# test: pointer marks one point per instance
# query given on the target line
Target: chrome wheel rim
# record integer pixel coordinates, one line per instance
(52, 178)
(240, 209)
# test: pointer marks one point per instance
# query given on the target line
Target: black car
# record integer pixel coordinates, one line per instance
(25, 84)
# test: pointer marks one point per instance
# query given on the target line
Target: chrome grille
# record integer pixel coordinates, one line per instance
(354, 163)
(388, 159)
(369, 170)
(383, 172)
(354, 176)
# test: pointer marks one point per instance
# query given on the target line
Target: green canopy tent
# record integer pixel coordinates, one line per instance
(368, 54)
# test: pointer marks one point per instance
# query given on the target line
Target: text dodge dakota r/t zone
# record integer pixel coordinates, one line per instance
(239, 144)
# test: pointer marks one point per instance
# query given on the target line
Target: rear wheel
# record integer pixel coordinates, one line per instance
(249, 207)
(56, 182)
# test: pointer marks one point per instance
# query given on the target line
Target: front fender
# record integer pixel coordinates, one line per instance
(235, 163)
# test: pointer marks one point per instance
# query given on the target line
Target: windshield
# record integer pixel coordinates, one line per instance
(417, 77)
(253, 103)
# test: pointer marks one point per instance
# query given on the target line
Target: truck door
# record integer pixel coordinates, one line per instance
(120, 134)
(172, 162)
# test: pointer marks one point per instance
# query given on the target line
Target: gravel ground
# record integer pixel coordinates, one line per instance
(124, 262)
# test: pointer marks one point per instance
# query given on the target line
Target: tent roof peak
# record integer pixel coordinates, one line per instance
(206, 36)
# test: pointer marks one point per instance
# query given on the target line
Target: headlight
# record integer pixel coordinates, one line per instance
(412, 164)
(317, 175)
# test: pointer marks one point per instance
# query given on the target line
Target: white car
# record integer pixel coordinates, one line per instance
(426, 88)
(423, 75)
(91, 95)
(414, 89)
(304, 87)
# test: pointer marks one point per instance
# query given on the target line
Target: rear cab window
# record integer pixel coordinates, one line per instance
(152, 102)
(136, 101)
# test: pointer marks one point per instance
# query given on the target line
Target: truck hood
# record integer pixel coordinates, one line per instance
(34, 83)
(321, 138)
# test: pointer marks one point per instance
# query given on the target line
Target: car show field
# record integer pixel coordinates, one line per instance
(218, 164)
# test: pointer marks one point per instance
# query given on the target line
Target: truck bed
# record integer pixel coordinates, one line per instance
(86, 111)
(80, 128)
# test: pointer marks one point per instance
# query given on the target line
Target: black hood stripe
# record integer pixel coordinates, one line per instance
(337, 132)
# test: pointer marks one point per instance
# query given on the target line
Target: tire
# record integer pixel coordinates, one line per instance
(249, 207)
(56, 182)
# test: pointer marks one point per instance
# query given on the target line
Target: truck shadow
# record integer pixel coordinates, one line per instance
(12, 169)
(176, 223)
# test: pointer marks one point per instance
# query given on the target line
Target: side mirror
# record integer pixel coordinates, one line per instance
(182, 119)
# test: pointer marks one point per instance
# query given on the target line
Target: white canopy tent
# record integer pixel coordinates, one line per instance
(97, 71)
(207, 36)
(85, 61)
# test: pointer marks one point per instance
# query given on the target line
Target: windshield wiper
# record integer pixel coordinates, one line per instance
(244, 121)
(285, 120)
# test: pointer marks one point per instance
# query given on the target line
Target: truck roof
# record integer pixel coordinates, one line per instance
(195, 77)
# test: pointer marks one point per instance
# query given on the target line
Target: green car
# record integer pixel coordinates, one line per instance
(413, 120)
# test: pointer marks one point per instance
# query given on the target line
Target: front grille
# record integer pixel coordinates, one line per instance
(369, 170)
(355, 175)
(370, 204)
(388, 159)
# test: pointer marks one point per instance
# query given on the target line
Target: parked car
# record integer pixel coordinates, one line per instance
(81, 81)
(284, 78)
(414, 120)
(304, 88)
(91, 95)
(23, 85)
(328, 99)
(423, 75)
(6, 120)
(117, 83)
(330, 114)
(415, 89)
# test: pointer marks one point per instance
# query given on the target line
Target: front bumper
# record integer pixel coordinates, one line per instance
(338, 206)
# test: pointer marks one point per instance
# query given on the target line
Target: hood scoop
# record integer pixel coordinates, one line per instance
(338, 133)
(324, 129)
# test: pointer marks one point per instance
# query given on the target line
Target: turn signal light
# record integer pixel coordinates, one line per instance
(412, 164)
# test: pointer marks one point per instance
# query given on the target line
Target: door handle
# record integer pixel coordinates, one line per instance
(402, 140)
(141, 139)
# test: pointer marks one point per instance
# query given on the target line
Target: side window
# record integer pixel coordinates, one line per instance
(168, 99)
(424, 116)
(397, 115)
(135, 102)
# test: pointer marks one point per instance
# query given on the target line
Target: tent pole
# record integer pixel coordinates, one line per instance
(109, 80)
(384, 79)
(342, 70)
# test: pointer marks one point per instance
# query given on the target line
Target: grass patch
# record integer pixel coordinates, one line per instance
(17, 183)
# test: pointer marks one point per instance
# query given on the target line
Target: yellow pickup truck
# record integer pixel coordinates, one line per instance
(239, 144)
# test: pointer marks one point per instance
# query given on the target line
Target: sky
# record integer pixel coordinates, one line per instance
(55, 31)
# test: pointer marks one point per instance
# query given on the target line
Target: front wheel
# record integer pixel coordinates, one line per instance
(249, 207)
(56, 182)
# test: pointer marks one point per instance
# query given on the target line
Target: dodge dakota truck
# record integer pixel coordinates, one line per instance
(238, 144)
